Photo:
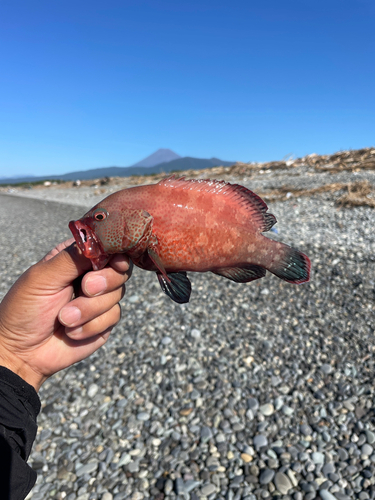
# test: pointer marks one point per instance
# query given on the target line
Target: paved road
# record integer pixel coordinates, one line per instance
(29, 229)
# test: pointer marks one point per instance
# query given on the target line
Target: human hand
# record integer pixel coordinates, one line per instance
(42, 329)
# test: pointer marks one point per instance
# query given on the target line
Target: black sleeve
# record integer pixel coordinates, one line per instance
(19, 407)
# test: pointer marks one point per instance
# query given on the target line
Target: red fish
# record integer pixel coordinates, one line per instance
(182, 225)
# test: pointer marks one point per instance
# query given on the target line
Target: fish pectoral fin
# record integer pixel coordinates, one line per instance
(243, 274)
(154, 256)
(177, 287)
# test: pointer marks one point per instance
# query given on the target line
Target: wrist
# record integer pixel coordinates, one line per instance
(20, 368)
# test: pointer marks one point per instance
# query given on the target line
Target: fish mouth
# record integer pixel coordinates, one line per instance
(89, 244)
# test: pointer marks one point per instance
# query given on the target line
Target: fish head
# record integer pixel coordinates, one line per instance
(103, 231)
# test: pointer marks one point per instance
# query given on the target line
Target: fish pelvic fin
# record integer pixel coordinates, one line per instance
(236, 194)
(292, 266)
(243, 274)
(177, 287)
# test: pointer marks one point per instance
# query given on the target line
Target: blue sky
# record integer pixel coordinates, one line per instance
(91, 84)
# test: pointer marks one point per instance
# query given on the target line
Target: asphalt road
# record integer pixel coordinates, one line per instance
(29, 229)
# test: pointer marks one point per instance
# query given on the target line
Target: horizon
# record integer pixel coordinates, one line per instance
(86, 86)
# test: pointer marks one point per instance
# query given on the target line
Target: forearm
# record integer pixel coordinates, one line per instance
(19, 407)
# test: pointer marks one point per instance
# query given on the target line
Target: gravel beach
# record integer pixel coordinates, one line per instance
(250, 391)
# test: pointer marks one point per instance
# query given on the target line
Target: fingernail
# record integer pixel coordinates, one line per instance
(95, 285)
(75, 332)
(70, 315)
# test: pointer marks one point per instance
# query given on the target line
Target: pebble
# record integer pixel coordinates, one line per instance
(318, 457)
(326, 495)
(143, 416)
(92, 390)
(267, 409)
(208, 489)
(246, 458)
(259, 441)
(282, 483)
(266, 476)
(367, 449)
(195, 333)
(206, 434)
(326, 368)
(370, 436)
(87, 469)
(255, 385)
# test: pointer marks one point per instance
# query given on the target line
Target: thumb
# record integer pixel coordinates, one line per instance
(62, 269)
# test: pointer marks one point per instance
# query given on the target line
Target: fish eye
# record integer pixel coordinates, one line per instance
(100, 214)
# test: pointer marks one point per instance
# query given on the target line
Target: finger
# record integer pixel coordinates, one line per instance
(60, 270)
(83, 309)
(68, 351)
(99, 282)
(121, 263)
(58, 248)
(96, 326)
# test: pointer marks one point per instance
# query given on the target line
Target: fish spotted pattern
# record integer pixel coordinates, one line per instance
(179, 225)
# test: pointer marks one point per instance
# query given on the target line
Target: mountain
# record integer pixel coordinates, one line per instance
(21, 176)
(171, 165)
(160, 156)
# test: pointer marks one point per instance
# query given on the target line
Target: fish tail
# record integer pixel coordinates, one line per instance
(289, 264)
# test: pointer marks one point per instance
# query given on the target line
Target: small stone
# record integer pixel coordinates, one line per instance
(326, 368)
(166, 340)
(305, 430)
(287, 410)
(195, 333)
(168, 486)
(125, 459)
(343, 454)
(143, 416)
(370, 436)
(208, 489)
(292, 478)
(349, 405)
(328, 468)
(266, 476)
(326, 495)
(282, 483)
(267, 409)
(92, 390)
(87, 469)
(132, 466)
(367, 450)
(253, 404)
(334, 477)
(107, 496)
(246, 458)
(206, 434)
(191, 485)
(133, 299)
(259, 441)
(318, 457)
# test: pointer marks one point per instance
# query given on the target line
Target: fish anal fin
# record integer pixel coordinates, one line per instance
(243, 274)
(177, 286)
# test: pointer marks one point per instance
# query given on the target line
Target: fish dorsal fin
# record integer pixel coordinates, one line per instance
(254, 205)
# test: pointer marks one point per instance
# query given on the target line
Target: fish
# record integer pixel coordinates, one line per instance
(178, 226)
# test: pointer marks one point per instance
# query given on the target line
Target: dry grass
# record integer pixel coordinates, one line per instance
(357, 193)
